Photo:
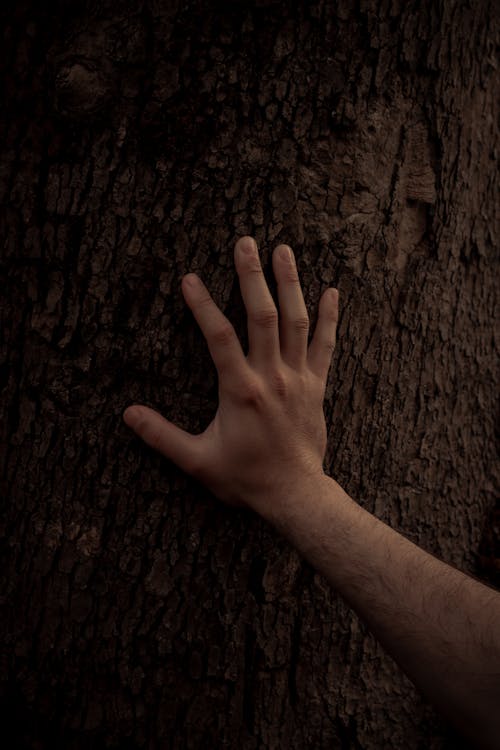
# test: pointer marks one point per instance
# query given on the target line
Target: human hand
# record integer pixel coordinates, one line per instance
(269, 432)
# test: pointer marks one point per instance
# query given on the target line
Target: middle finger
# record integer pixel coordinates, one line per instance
(294, 320)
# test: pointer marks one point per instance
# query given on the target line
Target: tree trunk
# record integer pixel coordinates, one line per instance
(139, 140)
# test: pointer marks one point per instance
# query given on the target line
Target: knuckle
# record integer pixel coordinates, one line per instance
(291, 276)
(267, 318)
(204, 300)
(301, 324)
(252, 265)
(279, 382)
(252, 392)
(223, 334)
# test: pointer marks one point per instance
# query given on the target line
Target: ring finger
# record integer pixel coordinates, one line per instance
(294, 320)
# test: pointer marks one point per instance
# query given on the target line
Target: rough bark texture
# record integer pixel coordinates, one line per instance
(138, 141)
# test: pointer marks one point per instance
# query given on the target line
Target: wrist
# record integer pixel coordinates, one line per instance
(302, 502)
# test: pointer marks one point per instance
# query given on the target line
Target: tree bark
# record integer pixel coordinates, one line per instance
(139, 140)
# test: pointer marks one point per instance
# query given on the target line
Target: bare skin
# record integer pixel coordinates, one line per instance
(265, 449)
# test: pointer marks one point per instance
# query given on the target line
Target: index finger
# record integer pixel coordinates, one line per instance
(223, 343)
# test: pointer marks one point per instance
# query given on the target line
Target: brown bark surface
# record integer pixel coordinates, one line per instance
(138, 141)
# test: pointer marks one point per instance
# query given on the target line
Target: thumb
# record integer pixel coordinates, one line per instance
(176, 444)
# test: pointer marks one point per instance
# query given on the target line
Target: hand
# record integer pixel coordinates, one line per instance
(269, 432)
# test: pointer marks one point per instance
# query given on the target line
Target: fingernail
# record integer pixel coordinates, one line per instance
(248, 246)
(131, 416)
(191, 280)
(286, 253)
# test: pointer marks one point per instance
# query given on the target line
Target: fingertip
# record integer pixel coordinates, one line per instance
(190, 280)
(284, 252)
(246, 244)
(131, 415)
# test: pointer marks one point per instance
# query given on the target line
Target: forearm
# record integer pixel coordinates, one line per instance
(441, 626)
